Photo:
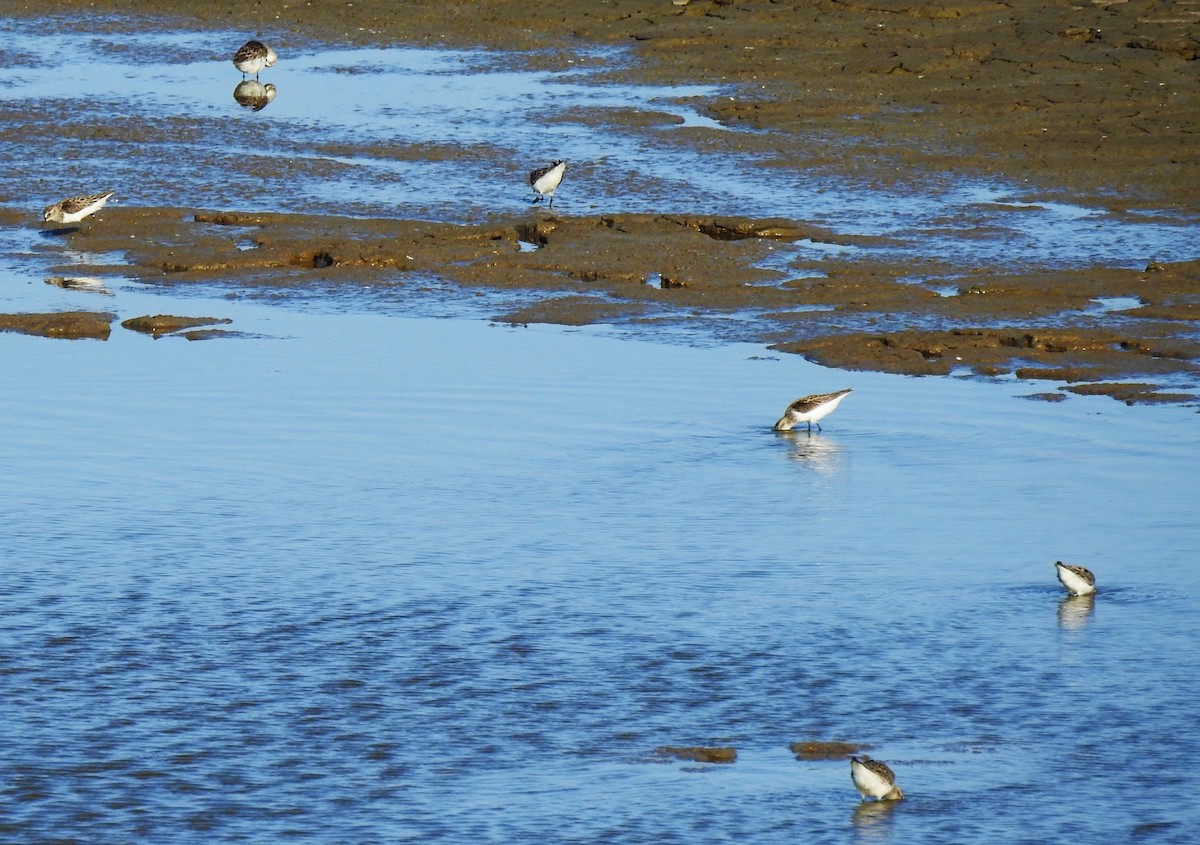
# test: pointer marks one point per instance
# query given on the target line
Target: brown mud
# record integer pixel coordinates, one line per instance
(1091, 103)
(699, 753)
(814, 749)
(159, 325)
(670, 270)
(66, 325)
(97, 325)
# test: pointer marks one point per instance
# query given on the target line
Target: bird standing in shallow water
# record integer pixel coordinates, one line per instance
(809, 409)
(1078, 580)
(545, 179)
(252, 57)
(873, 778)
(74, 209)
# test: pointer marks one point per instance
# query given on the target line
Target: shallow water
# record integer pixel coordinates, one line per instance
(452, 135)
(356, 576)
(375, 578)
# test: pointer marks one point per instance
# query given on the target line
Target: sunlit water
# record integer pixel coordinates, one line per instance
(369, 578)
(358, 577)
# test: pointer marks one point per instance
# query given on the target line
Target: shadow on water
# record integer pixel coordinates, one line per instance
(49, 231)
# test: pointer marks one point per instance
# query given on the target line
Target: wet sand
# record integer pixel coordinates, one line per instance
(1090, 104)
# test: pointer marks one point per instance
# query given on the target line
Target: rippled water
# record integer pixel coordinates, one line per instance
(370, 578)
(359, 577)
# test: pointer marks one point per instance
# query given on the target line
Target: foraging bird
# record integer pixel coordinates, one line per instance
(1078, 580)
(74, 209)
(874, 778)
(545, 179)
(809, 409)
(252, 57)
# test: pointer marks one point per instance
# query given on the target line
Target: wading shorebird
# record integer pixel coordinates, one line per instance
(1078, 580)
(74, 209)
(873, 778)
(252, 57)
(545, 179)
(809, 409)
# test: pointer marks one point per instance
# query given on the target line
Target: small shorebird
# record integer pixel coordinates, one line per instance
(809, 409)
(252, 57)
(874, 778)
(1078, 580)
(74, 209)
(545, 179)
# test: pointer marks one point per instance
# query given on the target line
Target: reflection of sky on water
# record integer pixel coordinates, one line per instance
(537, 554)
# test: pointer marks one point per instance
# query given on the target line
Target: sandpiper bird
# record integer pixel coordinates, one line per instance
(874, 778)
(545, 179)
(74, 209)
(252, 57)
(1078, 580)
(809, 409)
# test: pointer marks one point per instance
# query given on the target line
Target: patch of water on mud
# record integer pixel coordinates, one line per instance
(1108, 304)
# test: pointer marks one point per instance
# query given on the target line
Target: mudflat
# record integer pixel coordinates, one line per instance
(1087, 103)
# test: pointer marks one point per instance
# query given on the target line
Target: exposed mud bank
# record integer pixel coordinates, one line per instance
(1091, 103)
(1095, 99)
(699, 753)
(815, 749)
(66, 325)
(97, 325)
(663, 270)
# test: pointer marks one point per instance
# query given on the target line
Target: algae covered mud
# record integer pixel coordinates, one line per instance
(1006, 190)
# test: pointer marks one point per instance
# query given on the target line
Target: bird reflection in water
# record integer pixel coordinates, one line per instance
(1074, 611)
(819, 453)
(872, 820)
(87, 284)
(254, 95)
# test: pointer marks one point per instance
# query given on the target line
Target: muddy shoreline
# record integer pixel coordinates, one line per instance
(1091, 104)
(1092, 100)
(578, 270)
